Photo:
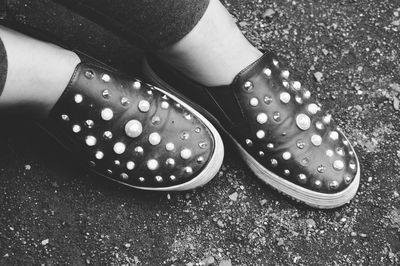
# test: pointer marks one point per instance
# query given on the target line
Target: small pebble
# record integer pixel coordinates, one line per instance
(396, 103)
(225, 263)
(127, 245)
(28, 167)
(363, 235)
(370, 179)
(353, 234)
(318, 76)
(209, 261)
(396, 194)
(234, 196)
(45, 242)
(268, 13)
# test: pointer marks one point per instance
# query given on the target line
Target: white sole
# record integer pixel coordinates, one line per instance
(298, 193)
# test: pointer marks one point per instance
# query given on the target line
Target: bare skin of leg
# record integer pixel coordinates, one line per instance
(215, 51)
(38, 73)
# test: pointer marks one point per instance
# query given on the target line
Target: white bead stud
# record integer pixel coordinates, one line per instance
(159, 178)
(106, 78)
(307, 94)
(119, 148)
(91, 141)
(303, 121)
(76, 128)
(329, 153)
(285, 84)
(78, 98)
(130, 165)
(107, 135)
(164, 105)
(298, 99)
(284, 97)
(275, 62)
(141, 179)
(260, 134)
(319, 125)
(65, 117)
(170, 162)
(338, 165)
(154, 138)
(136, 85)
(296, 85)
(107, 114)
(318, 183)
(124, 176)
(133, 128)
(144, 106)
(316, 140)
(124, 101)
(248, 85)
(139, 150)
(253, 102)
(267, 72)
(334, 135)
(186, 154)
(170, 146)
(312, 108)
(99, 155)
(327, 119)
(302, 178)
(285, 74)
(188, 170)
(286, 155)
(262, 118)
(152, 164)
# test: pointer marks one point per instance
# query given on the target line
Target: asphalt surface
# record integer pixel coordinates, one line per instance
(346, 52)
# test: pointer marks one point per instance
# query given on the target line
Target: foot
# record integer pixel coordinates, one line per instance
(214, 51)
(287, 140)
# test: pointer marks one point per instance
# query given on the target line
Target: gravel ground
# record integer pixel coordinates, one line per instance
(346, 52)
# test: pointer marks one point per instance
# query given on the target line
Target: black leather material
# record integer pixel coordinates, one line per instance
(79, 118)
(281, 146)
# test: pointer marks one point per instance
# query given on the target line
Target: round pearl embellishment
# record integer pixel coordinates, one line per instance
(312, 108)
(260, 134)
(107, 114)
(76, 128)
(338, 165)
(152, 164)
(106, 78)
(285, 74)
(136, 85)
(334, 135)
(144, 106)
(130, 165)
(91, 141)
(164, 105)
(296, 85)
(267, 72)
(286, 155)
(170, 146)
(262, 118)
(99, 155)
(303, 121)
(316, 140)
(186, 154)
(78, 98)
(284, 97)
(119, 148)
(253, 102)
(133, 128)
(154, 138)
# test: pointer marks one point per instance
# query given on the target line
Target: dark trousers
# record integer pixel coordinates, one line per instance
(148, 24)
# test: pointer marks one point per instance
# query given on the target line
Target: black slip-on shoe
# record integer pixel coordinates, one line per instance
(134, 133)
(129, 131)
(285, 138)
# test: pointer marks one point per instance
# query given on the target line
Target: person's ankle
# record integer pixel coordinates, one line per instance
(37, 74)
(214, 52)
